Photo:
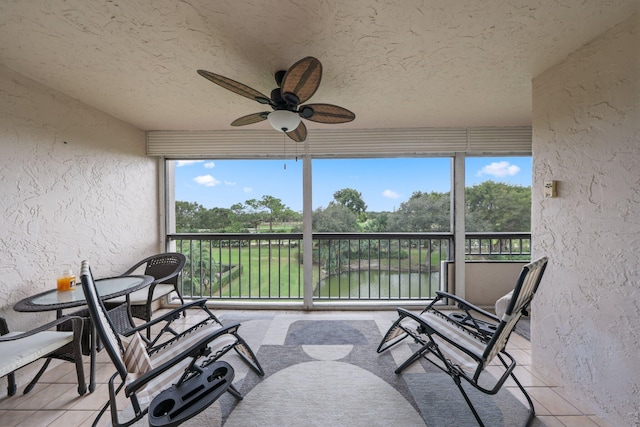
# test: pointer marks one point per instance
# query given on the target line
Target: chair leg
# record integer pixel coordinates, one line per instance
(147, 320)
(175, 287)
(532, 411)
(245, 352)
(531, 414)
(415, 356)
(456, 380)
(394, 335)
(35, 379)
(11, 384)
(234, 392)
(82, 386)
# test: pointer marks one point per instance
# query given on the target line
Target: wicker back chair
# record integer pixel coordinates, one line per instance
(49, 341)
(165, 268)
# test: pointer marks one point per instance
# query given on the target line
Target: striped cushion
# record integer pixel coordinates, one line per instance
(136, 358)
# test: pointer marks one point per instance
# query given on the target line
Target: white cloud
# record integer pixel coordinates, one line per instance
(390, 194)
(210, 165)
(180, 163)
(499, 169)
(229, 183)
(206, 180)
(247, 189)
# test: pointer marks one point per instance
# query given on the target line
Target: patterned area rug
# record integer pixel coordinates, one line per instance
(327, 373)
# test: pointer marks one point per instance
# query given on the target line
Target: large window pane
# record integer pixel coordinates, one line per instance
(498, 194)
(238, 195)
(380, 195)
(498, 208)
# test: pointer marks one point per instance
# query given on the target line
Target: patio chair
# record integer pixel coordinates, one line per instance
(181, 368)
(464, 345)
(18, 349)
(165, 269)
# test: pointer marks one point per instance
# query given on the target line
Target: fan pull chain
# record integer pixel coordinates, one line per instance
(284, 149)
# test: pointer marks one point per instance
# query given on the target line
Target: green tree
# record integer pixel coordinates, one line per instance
(254, 214)
(335, 218)
(275, 208)
(377, 222)
(188, 216)
(215, 219)
(352, 200)
(423, 212)
(493, 206)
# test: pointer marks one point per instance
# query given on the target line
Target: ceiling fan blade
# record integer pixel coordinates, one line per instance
(299, 134)
(326, 113)
(301, 80)
(235, 87)
(250, 119)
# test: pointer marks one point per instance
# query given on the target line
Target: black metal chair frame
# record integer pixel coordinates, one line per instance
(203, 362)
(71, 352)
(435, 335)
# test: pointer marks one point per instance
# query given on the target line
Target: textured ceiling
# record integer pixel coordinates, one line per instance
(395, 63)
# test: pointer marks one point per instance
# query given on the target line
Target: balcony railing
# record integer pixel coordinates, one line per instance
(345, 266)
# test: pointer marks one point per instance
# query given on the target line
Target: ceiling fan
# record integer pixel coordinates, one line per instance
(295, 86)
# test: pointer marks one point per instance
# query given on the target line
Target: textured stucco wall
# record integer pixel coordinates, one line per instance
(74, 184)
(586, 127)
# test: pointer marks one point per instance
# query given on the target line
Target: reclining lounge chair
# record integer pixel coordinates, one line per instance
(463, 344)
(182, 369)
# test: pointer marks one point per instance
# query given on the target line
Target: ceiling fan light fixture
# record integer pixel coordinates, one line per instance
(284, 120)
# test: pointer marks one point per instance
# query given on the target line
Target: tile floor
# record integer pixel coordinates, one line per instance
(55, 402)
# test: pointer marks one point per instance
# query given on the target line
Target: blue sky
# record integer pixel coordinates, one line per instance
(383, 183)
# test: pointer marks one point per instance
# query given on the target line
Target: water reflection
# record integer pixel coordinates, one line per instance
(379, 285)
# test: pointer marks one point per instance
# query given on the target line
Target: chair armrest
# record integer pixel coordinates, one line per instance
(168, 316)
(467, 306)
(156, 280)
(196, 350)
(76, 323)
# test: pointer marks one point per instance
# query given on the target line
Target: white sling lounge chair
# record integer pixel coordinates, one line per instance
(463, 344)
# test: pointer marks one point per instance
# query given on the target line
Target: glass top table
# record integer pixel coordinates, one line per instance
(110, 287)
(107, 288)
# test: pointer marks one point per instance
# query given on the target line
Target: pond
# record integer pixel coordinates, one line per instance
(379, 285)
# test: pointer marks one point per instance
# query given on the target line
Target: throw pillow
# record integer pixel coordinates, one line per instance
(136, 358)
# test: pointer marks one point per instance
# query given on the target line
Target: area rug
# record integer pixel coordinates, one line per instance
(327, 373)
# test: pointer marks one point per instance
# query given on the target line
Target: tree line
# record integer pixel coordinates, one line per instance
(490, 207)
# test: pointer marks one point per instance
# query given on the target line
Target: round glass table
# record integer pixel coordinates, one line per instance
(110, 287)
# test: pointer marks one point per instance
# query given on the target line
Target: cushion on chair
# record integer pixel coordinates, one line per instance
(21, 352)
(139, 297)
(502, 304)
(136, 358)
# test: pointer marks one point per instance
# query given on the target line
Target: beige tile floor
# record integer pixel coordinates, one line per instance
(55, 402)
